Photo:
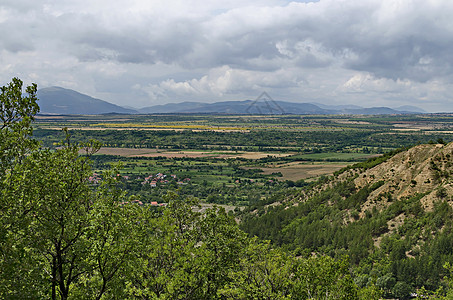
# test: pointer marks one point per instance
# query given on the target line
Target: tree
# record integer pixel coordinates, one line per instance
(113, 237)
(269, 273)
(16, 113)
(184, 254)
(56, 231)
(263, 273)
(402, 290)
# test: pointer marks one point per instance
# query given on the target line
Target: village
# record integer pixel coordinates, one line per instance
(161, 178)
(151, 180)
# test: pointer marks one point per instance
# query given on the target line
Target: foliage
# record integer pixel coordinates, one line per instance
(269, 273)
(47, 246)
(409, 257)
(16, 114)
(64, 238)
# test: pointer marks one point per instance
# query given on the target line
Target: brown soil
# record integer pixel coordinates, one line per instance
(299, 171)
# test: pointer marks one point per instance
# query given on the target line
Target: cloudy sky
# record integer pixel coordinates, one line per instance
(146, 52)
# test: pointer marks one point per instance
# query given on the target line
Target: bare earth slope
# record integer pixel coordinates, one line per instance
(423, 169)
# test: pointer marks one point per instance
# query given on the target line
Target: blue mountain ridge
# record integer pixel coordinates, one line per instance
(57, 100)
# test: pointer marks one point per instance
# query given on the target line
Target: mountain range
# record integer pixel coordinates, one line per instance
(57, 100)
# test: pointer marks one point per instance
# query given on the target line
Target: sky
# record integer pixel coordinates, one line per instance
(140, 53)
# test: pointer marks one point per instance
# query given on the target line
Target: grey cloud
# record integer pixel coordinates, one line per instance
(21, 6)
(388, 39)
(413, 45)
(14, 44)
(139, 48)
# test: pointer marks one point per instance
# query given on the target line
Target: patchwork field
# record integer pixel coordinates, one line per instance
(236, 159)
(133, 152)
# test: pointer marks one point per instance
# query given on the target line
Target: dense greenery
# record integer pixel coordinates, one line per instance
(66, 233)
(62, 237)
(409, 258)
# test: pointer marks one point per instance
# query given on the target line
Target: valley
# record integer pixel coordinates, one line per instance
(370, 196)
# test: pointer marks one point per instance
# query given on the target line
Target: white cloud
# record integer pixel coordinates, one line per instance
(362, 83)
(226, 82)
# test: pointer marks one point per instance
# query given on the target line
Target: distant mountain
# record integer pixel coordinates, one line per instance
(238, 107)
(411, 108)
(273, 107)
(57, 100)
(337, 107)
(373, 111)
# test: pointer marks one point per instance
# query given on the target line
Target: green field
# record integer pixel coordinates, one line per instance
(236, 159)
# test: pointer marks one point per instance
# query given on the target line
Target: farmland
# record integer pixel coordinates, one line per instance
(236, 159)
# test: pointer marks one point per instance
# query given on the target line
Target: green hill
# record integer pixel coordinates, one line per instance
(394, 219)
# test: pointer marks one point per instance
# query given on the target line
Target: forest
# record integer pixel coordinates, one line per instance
(79, 224)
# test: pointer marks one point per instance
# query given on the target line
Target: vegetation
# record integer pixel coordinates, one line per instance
(64, 238)
(79, 224)
(394, 242)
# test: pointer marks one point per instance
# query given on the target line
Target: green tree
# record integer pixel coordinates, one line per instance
(264, 273)
(113, 239)
(184, 254)
(16, 114)
(269, 273)
(56, 231)
(402, 290)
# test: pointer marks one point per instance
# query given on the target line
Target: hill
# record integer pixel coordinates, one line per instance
(391, 215)
(57, 100)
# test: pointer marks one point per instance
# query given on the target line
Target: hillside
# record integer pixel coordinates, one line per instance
(424, 169)
(57, 100)
(394, 219)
